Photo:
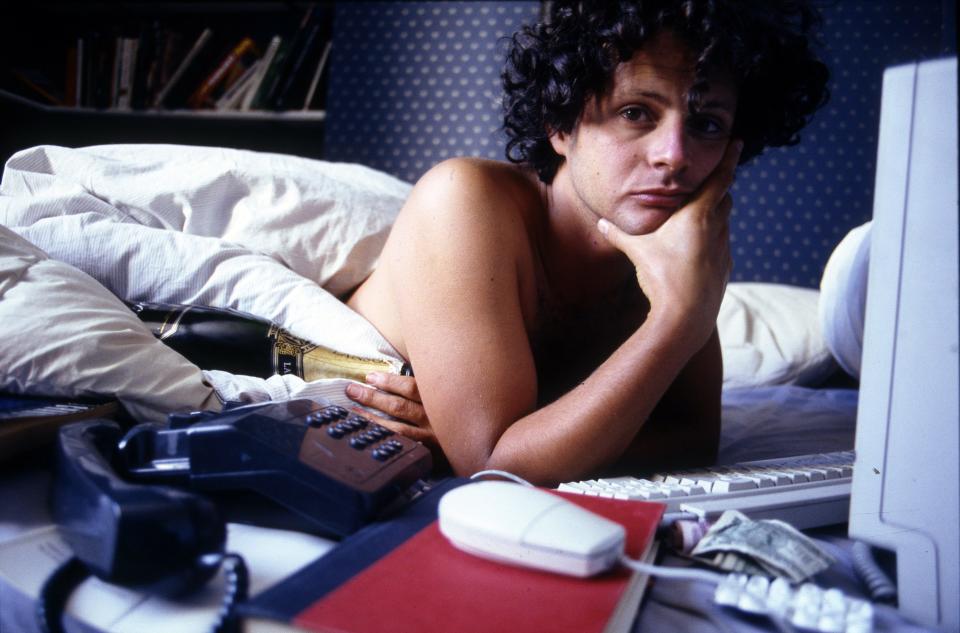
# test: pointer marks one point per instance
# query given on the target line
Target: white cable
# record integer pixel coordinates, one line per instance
(677, 574)
(502, 473)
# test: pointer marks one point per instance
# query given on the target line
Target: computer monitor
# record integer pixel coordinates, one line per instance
(906, 483)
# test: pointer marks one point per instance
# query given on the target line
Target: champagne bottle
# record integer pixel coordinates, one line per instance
(241, 343)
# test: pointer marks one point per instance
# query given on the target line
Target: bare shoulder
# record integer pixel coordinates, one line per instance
(459, 256)
(469, 185)
(469, 204)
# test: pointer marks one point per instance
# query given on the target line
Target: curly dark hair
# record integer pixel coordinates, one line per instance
(555, 66)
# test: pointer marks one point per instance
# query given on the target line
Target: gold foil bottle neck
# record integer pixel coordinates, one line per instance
(311, 362)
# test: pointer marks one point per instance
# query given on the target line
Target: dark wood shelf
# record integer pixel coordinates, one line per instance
(37, 36)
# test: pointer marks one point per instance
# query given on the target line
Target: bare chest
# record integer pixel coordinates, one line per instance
(570, 341)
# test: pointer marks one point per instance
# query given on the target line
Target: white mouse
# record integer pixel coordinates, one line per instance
(527, 526)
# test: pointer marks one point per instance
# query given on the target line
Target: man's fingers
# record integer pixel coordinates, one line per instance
(407, 430)
(405, 386)
(611, 232)
(725, 207)
(399, 407)
(417, 434)
(715, 187)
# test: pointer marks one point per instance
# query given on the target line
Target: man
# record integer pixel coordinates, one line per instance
(560, 312)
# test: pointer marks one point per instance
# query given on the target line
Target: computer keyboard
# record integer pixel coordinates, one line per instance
(806, 491)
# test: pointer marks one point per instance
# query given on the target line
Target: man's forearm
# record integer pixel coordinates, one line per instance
(589, 427)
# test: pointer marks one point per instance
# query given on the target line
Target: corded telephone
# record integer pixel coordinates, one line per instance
(335, 468)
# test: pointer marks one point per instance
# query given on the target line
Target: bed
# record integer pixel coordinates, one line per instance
(282, 238)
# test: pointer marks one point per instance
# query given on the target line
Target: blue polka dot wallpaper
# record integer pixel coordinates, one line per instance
(413, 83)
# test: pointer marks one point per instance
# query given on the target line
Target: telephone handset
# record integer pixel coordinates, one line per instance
(154, 538)
(337, 469)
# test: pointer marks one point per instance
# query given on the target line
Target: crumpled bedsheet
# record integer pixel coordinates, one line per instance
(772, 422)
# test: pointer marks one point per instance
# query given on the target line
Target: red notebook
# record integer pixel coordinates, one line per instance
(426, 584)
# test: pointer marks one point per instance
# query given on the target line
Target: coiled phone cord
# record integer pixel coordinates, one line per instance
(237, 585)
(72, 572)
(56, 591)
(880, 586)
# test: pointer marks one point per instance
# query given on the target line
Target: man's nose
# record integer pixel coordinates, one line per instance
(669, 150)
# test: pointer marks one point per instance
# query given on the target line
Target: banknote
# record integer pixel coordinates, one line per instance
(773, 545)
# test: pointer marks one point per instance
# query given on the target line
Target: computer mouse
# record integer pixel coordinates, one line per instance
(530, 527)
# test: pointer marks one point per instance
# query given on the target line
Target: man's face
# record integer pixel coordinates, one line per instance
(638, 153)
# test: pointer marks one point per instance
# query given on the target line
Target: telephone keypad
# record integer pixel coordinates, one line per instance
(359, 432)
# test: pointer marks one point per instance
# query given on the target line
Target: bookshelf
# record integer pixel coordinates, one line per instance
(236, 74)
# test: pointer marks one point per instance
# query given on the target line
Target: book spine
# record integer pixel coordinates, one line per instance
(38, 85)
(181, 70)
(70, 81)
(115, 74)
(233, 95)
(287, 94)
(285, 62)
(99, 76)
(125, 74)
(202, 97)
(265, 62)
(315, 81)
(272, 77)
(81, 86)
(145, 59)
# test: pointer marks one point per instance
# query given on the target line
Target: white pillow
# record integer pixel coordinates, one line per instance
(66, 335)
(843, 298)
(770, 335)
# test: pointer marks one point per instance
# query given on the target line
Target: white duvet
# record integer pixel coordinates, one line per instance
(276, 236)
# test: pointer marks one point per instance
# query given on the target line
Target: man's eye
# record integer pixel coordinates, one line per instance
(707, 126)
(635, 114)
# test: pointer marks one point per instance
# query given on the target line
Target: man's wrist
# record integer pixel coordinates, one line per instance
(684, 329)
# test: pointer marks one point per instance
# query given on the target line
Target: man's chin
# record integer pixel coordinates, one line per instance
(643, 222)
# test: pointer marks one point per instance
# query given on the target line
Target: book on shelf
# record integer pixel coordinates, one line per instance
(170, 48)
(71, 87)
(98, 53)
(317, 74)
(272, 76)
(233, 96)
(287, 67)
(293, 88)
(124, 65)
(263, 66)
(174, 85)
(38, 85)
(227, 71)
(80, 87)
(420, 582)
(147, 53)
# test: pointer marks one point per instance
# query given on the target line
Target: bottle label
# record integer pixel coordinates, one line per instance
(293, 355)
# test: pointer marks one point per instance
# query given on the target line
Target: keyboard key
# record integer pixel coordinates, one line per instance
(733, 484)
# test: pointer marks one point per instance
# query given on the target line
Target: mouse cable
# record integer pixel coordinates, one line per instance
(681, 573)
(702, 575)
(502, 473)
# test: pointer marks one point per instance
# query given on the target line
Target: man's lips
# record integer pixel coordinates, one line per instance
(661, 198)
